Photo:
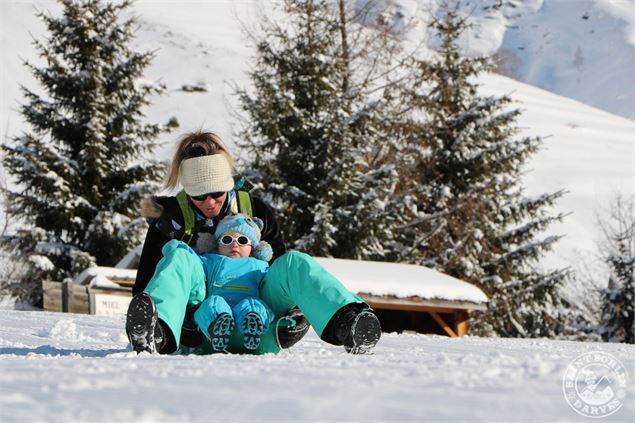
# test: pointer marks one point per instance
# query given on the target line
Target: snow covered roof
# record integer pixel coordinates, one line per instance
(104, 276)
(131, 260)
(399, 280)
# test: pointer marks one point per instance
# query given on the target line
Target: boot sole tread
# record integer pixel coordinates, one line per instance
(253, 328)
(366, 332)
(220, 331)
(140, 323)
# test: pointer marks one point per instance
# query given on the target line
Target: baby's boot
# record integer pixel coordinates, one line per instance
(220, 330)
(252, 329)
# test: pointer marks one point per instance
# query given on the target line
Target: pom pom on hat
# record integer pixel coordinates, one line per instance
(205, 174)
(263, 251)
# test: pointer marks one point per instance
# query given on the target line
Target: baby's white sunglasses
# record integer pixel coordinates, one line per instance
(242, 240)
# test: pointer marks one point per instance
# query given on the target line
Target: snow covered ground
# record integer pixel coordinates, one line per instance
(77, 368)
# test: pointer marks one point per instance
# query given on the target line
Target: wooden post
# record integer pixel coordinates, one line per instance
(442, 323)
(461, 322)
(66, 293)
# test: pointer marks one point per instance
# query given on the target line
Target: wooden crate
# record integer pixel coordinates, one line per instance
(99, 300)
(78, 299)
(53, 295)
(109, 301)
(83, 299)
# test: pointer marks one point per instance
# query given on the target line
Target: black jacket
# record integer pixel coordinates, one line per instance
(163, 229)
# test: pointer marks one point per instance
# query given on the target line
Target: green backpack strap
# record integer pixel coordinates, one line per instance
(244, 203)
(189, 218)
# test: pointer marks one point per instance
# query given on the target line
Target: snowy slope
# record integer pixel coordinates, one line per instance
(76, 368)
(589, 152)
(582, 49)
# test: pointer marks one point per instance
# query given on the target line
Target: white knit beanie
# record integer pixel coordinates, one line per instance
(205, 174)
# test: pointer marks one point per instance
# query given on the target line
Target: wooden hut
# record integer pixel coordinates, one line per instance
(410, 298)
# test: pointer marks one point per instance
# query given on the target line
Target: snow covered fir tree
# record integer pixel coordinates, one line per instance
(316, 130)
(82, 169)
(617, 321)
(457, 204)
(465, 212)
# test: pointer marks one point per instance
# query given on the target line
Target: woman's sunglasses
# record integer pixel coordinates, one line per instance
(242, 240)
(203, 197)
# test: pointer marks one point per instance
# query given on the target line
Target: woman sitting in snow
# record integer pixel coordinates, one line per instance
(232, 280)
(203, 166)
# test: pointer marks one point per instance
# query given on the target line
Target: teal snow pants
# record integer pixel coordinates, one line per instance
(293, 279)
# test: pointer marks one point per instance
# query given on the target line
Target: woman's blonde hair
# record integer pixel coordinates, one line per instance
(196, 144)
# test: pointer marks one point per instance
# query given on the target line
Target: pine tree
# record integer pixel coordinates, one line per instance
(80, 169)
(465, 212)
(617, 321)
(317, 132)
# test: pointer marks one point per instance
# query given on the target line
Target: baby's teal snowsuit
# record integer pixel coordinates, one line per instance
(232, 287)
(293, 279)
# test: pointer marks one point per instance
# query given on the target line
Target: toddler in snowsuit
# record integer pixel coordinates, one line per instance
(233, 278)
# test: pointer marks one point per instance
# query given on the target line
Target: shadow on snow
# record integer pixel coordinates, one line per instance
(53, 351)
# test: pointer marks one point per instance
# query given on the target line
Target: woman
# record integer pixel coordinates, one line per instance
(204, 167)
(192, 219)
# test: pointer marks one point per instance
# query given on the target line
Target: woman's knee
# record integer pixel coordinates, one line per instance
(296, 255)
(181, 255)
(183, 271)
(293, 260)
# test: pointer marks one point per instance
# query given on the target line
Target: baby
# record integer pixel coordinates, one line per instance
(233, 278)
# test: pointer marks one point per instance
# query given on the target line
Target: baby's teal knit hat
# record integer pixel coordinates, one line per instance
(250, 227)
